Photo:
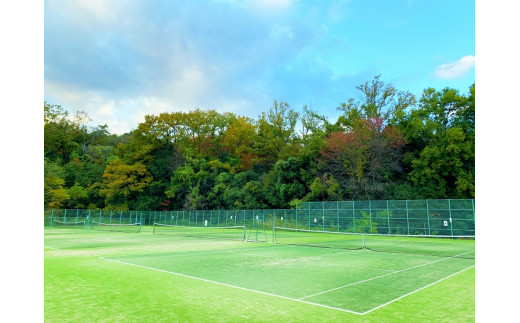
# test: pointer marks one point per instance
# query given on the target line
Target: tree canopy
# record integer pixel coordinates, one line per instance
(387, 145)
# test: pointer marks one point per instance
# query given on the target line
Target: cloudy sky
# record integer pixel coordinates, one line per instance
(120, 60)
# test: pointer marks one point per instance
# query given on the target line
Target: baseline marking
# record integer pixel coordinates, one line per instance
(380, 276)
(51, 248)
(301, 300)
(233, 286)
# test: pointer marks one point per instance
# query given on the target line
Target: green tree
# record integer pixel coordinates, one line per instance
(276, 134)
(122, 183)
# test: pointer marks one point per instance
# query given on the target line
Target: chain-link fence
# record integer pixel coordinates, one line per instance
(403, 217)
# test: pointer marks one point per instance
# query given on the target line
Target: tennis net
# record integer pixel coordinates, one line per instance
(442, 246)
(62, 224)
(229, 233)
(117, 227)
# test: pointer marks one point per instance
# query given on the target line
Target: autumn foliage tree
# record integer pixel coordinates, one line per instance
(387, 144)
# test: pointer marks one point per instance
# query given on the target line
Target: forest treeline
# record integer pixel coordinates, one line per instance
(387, 144)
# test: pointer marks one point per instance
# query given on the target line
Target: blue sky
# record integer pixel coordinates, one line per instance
(120, 60)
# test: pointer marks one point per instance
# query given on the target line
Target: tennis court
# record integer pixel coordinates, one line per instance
(350, 273)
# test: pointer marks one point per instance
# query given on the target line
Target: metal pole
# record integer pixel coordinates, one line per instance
(428, 216)
(353, 217)
(370, 214)
(337, 213)
(451, 220)
(407, 221)
(388, 215)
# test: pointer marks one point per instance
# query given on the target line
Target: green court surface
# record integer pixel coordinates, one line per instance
(99, 276)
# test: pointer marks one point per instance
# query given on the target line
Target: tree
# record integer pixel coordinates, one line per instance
(58, 139)
(440, 154)
(122, 182)
(238, 140)
(276, 134)
(381, 101)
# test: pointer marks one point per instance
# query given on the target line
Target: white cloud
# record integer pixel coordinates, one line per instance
(455, 69)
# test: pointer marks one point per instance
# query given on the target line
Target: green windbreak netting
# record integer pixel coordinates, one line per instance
(406, 217)
(452, 218)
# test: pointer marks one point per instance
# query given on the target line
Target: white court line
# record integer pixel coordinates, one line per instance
(300, 300)
(381, 276)
(412, 292)
(51, 248)
(233, 286)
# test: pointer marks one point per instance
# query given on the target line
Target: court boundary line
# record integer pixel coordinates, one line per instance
(233, 286)
(301, 300)
(380, 276)
(415, 291)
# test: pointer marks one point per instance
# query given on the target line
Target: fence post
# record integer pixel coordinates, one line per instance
(473, 206)
(407, 220)
(337, 212)
(451, 221)
(322, 216)
(388, 214)
(428, 216)
(370, 214)
(309, 217)
(353, 216)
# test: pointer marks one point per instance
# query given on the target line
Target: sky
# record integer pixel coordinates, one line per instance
(121, 60)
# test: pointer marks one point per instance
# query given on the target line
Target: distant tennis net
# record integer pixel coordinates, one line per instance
(443, 246)
(228, 233)
(70, 224)
(117, 227)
